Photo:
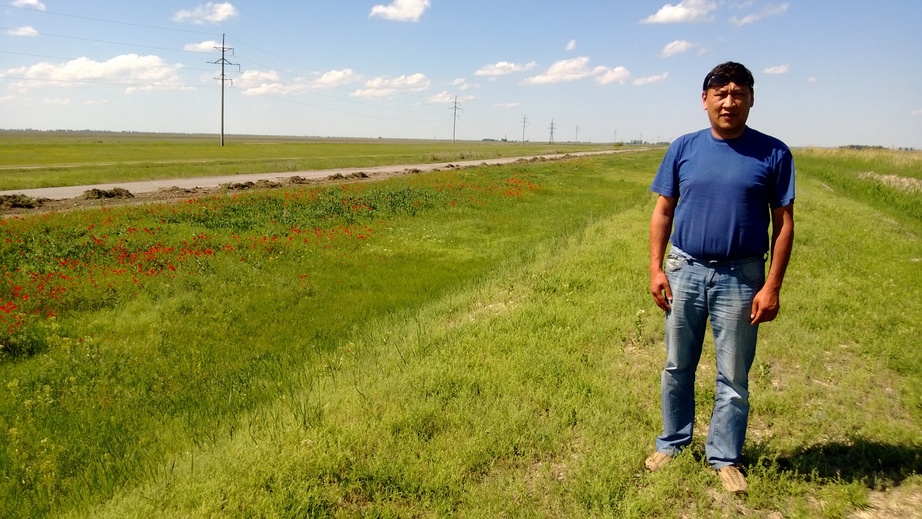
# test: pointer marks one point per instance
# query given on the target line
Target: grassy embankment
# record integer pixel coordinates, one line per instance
(468, 343)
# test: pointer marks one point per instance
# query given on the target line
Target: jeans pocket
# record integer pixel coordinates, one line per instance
(674, 263)
(752, 272)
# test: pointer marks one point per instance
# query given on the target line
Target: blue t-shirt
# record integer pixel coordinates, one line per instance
(725, 191)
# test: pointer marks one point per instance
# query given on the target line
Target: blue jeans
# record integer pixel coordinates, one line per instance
(723, 292)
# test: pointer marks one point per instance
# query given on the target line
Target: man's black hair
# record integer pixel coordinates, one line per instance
(726, 73)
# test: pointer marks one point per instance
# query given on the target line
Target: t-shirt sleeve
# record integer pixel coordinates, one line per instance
(666, 181)
(783, 194)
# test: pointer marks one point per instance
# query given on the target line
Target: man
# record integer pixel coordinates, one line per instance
(719, 189)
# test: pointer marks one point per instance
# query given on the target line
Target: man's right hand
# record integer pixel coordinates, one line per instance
(659, 287)
(660, 227)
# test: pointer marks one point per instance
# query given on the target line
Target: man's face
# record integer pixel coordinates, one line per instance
(728, 109)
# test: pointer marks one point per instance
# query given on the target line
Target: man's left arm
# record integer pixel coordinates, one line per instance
(765, 304)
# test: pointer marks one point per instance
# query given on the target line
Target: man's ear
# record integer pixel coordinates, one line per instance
(704, 100)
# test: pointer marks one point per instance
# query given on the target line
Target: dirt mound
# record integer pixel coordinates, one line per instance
(8, 202)
(102, 194)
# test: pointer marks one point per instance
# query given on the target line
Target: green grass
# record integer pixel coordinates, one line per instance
(487, 348)
(52, 159)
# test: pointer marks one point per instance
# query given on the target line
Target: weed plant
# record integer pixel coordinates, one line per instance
(470, 343)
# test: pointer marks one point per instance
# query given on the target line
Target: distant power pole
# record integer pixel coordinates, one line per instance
(454, 108)
(223, 78)
(577, 133)
(524, 123)
(551, 127)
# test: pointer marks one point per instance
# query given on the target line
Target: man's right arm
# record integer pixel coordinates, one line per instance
(660, 229)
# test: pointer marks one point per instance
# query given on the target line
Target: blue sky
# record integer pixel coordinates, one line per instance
(827, 73)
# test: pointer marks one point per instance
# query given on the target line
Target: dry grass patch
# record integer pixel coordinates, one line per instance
(909, 185)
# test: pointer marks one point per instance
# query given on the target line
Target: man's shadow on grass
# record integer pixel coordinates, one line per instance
(874, 464)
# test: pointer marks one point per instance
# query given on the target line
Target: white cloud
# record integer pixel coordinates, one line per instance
(205, 46)
(676, 47)
(565, 70)
(56, 101)
(386, 87)
(253, 77)
(335, 78)
(812, 79)
(207, 13)
(401, 10)
(26, 30)
(442, 98)
(576, 69)
(35, 4)
(571, 45)
(687, 11)
(916, 113)
(261, 82)
(503, 68)
(650, 80)
(448, 98)
(463, 85)
(779, 69)
(769, 10)
(414, 82)
(618, 75)
(374, 93)
(141, 72)
(267, 82)
(506, 105)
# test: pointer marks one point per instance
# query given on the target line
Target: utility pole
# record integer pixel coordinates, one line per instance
(577, 133)
(223, 78)
(524, 123)
(551, 127)
(454, 108)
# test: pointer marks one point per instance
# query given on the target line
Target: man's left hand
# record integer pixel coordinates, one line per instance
(765, 306)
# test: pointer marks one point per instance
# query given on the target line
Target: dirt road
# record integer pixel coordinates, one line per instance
(207, 183)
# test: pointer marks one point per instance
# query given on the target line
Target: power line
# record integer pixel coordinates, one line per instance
(71, 58)
(328, 109)
(109, 42)
(46, 12)
(551, 127)
(524, 124)
(98, 82)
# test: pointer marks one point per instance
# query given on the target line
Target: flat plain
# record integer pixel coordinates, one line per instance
(470, 342)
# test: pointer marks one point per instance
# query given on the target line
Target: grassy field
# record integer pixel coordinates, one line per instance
(465, 343)
(51, 159)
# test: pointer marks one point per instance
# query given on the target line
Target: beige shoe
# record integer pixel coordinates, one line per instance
(733, 480)
(657, 460)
